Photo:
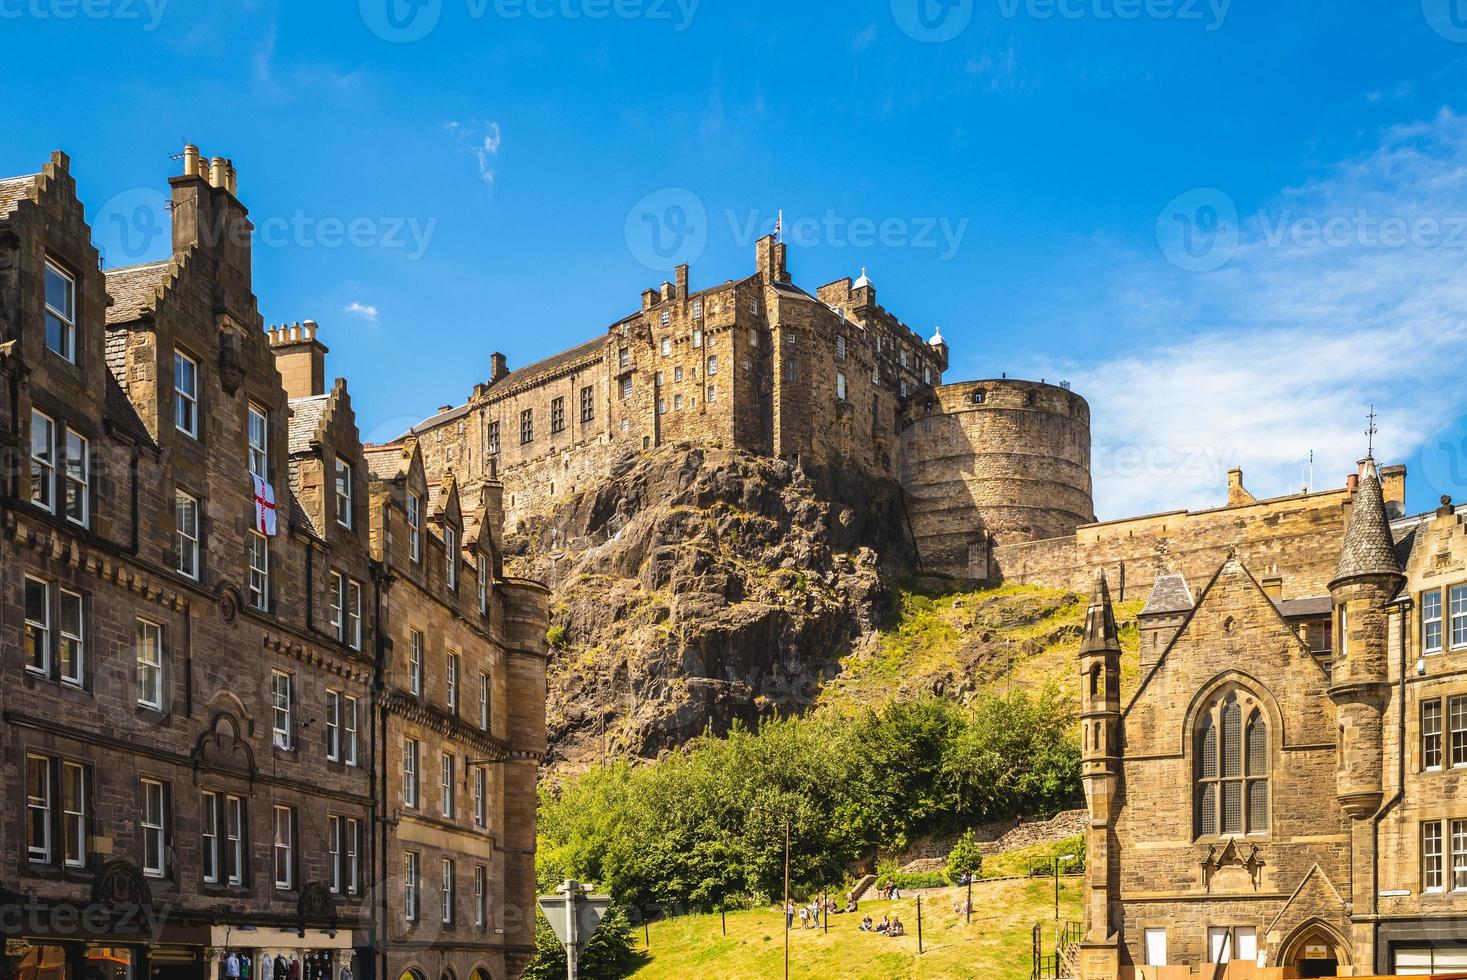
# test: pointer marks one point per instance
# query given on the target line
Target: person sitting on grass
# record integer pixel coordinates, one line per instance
(885, 926)
(866, 924)
(852, 905)
(896, 928)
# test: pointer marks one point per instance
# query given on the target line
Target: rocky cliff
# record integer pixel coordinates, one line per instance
(695, 588)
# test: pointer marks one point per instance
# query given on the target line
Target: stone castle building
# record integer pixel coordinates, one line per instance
(270, 704)
(1280, 792)
(831, 379)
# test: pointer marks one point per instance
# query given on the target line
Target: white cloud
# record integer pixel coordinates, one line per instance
(1318, 315)
(483, 140)
(363, 310)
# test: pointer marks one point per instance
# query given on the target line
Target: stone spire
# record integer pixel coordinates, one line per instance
(1101, 634)
(1369, 548)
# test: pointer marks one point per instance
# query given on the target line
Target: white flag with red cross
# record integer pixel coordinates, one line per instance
(264, 506)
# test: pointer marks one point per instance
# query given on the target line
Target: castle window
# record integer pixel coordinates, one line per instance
(1431, 621)
(712, 365)
(840, 386)
(527, 426)
(791, 370)
(557, 415)
(979, 397)
(754, 337)
(492, 439)
(623, 357)
(697, 312)
(927, 375)
(666, 319)
(904, 388)
(876, 374)
(626, 388)
(677, 403)
(1095, 677)
(666, 346)
(1458, 603)
(713, 393)
(60, 312)
(661, 406)
(677, 373)
(1232, 794)
(588, 404)
(906, 359)
(1431, 734)
(657, 379)
(840, 348)
(698, 331)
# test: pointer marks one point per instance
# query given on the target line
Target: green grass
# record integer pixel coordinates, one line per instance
(1019, 862)
(995, 946)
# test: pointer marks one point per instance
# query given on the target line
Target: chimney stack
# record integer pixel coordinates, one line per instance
(498, 367)
(682, 283)
(1393, 489)
(207, 217)
(300, 358)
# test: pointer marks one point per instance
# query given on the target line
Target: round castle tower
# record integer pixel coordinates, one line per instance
(993, 462)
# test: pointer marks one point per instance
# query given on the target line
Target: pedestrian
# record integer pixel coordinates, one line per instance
(789, 916)
(804, 917)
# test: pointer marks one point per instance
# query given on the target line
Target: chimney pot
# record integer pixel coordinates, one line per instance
(1351, 482)
(216, 172)
(190, 160)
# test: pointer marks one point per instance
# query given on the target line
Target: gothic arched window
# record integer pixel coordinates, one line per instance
(1232, 769)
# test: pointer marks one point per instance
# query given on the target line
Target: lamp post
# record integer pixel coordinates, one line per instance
(1059, 860)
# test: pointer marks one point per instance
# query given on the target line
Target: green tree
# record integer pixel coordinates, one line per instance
(611, 954)
(965, 858)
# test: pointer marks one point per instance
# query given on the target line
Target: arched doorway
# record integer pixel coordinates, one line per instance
(1315, 951)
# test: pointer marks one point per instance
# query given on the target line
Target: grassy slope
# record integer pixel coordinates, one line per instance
(1019, 862)
(990, 637)
(995, 946)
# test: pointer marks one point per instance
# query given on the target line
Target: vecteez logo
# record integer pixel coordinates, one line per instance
(1198, 231)
(401, 21)
(1447, 17)
(667, 228)
(131, 225)
(933, 21)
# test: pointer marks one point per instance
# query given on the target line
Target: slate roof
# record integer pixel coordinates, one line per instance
(13, 190)
(1369, 548)
(134, 290)
(305, 421)
(1169, 594)
(1315, 605)
(387, 463)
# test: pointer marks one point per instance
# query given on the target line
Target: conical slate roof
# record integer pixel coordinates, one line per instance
(1369, 548)
(1101, 634)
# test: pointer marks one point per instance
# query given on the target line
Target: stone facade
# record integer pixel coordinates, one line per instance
(202, 721)
(1263, 796)
(832, 380)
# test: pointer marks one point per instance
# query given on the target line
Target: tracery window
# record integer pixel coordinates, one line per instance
(1232, 768)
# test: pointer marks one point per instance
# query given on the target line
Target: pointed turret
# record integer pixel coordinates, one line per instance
(1101, 749)
(1369, 548)
(1366, 581)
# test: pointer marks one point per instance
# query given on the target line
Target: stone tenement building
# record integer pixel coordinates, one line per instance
(1283, 790)
(270, 704)
(831, 379)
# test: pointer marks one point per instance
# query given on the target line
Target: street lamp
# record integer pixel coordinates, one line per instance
(1059, 860)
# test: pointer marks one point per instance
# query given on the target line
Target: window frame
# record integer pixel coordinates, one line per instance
(283, 816)
(1456, 725)
(186, 399)
(448, 775)
(557, 415)
(76, 487)
(411, 885)
(349, 723)
(484, 694)
(153, 668)
(588, 404)
(40, 811)
(257, 452)
(74, 818)
(451, 677)
(154, 829)
(411, 789)
(415, 527)
(481, 793)
(74, 639)
(258, 560)
(45, 464)
(37, 634)
(1432, 718)
(236, 827)
(66, 319)
(450, 557)
(345, 493)
(282, 710)
(1457, 612)
(450, 887)
(1427, 856)
(1237, 773)
(210, 851)
(181, 539)
(527, 426)
(333, 726)
(415, 662)
(1430, 620)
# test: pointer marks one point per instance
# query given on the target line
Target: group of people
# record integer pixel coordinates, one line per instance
(889, 891)
(887, 927)
(811, 912)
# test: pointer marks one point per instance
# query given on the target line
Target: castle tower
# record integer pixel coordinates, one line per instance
(1101, 748)
(1368, 578)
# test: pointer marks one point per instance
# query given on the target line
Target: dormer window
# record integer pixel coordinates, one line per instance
(258, 457)
(60, 312)
(185, 394)
(343, 492)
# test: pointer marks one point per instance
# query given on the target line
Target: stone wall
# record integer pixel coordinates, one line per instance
(998, 462)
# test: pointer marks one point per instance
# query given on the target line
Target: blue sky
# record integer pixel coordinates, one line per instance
(1189, 210)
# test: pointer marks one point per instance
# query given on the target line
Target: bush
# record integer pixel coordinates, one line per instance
(965, 858)
(557, 638)
(611, 954)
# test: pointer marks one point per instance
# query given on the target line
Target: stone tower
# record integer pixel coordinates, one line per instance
(1368, 578)
(1101, 748)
